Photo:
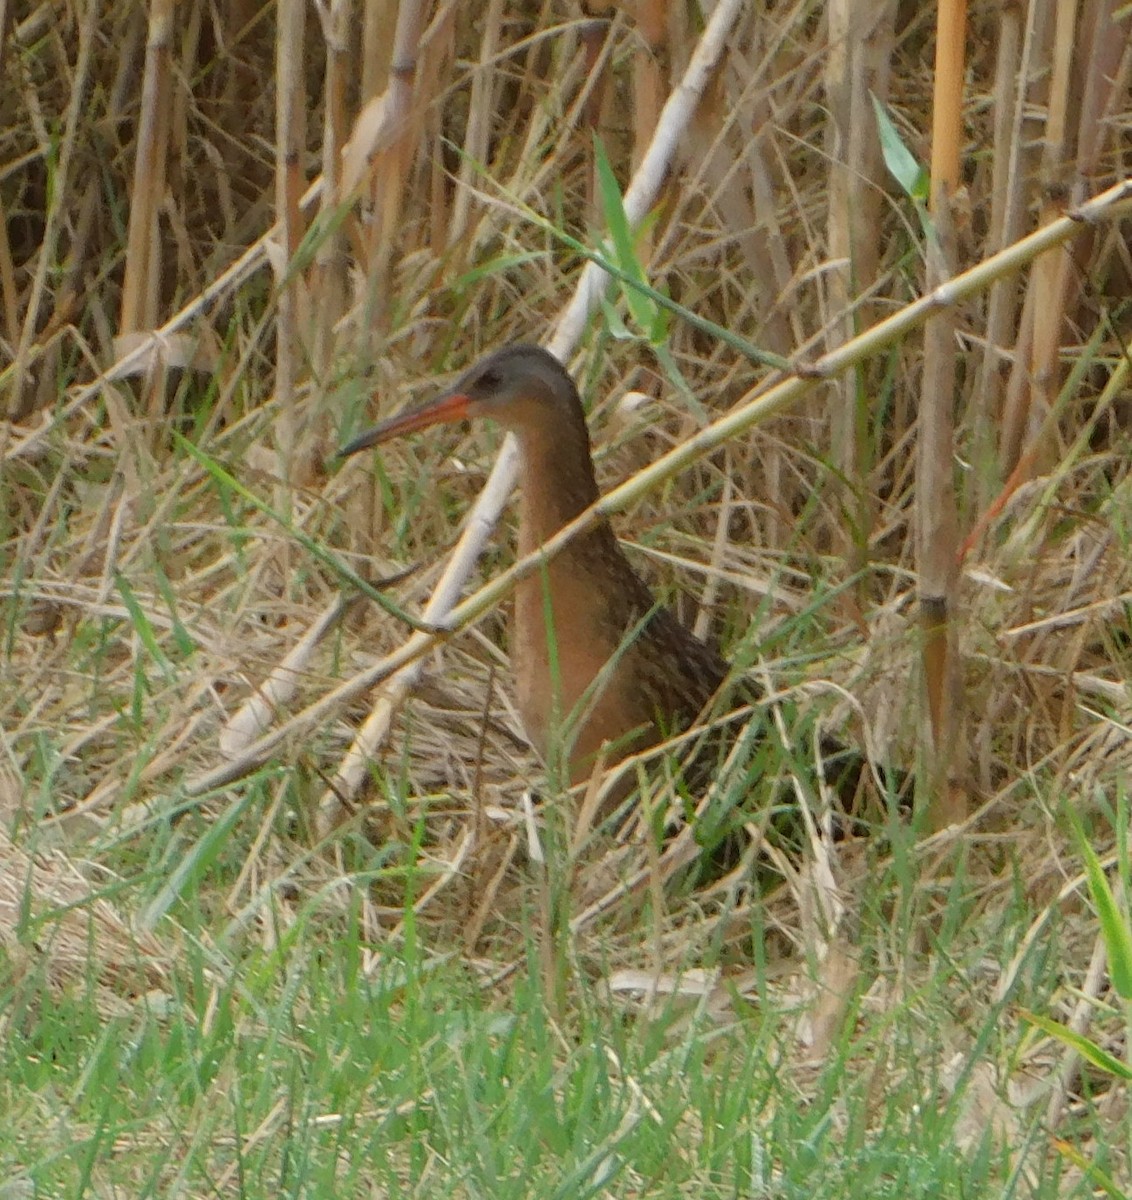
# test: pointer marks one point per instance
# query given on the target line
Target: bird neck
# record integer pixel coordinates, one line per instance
(556, 482)
(572, 615)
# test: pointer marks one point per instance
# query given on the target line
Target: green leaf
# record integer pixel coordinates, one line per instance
(641, 308)
(142, 626)
(900, 161)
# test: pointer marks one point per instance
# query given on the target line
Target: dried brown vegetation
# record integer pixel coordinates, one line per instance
(229, 233)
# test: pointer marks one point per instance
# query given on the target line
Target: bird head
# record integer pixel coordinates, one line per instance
(515, 386)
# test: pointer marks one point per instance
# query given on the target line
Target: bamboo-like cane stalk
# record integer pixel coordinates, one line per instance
(937, 522)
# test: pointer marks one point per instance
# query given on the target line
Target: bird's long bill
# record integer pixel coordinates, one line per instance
(451, 407)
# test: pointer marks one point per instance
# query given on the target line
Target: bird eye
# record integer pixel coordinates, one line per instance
(489, 381)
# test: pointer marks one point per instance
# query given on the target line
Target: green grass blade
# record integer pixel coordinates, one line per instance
(143, 626)
(200, 856)
(1115, 927)
(1085, 1047)
(641, 308)
(1101, 1178)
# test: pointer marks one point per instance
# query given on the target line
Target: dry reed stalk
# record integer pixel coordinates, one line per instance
(291, 311)
(649, 83)
(597, 38)
(650, 87)
(861, 35)
(726, 147)
(1050, 279)
(1104, 83)
(482, 109)
(330, 283)
(389, 167)
(143, 261)
(1104, 80)
(1083, 86)
(1099, 86)
(9, 296)
(1007, 207)
(55, 215)
(379, 23)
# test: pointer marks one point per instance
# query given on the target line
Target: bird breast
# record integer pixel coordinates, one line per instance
(575, 666)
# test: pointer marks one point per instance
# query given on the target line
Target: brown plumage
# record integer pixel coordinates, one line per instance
(597, 660)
